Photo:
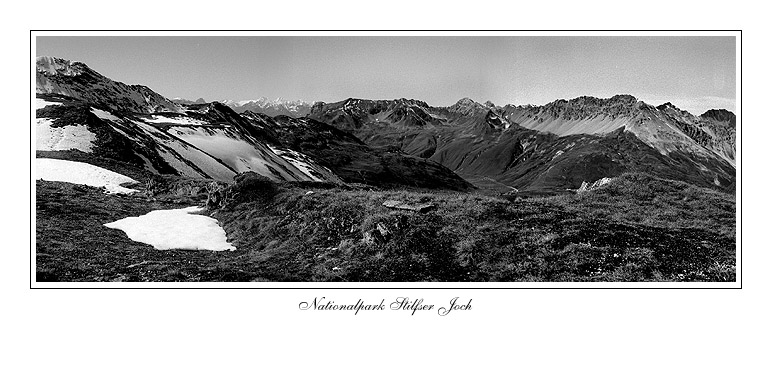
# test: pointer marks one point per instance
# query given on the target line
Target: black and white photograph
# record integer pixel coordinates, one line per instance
(385, 190)
(508, 159)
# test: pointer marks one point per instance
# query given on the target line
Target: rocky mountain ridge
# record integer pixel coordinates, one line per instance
(75, 79)
(514, 146)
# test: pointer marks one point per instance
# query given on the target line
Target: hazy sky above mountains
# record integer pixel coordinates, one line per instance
(694, 73)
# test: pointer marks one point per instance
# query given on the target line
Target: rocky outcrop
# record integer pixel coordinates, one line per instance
(586, 186)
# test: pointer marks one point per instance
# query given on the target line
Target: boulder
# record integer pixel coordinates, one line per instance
(421, 208)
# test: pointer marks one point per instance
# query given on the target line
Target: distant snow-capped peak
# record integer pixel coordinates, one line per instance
(279, 106)
(264, 101)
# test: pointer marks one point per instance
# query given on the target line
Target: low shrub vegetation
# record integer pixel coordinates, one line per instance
(636, 228)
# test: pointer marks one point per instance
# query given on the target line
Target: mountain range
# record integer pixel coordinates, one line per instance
(555, 146)
(133, 125)
(385, 143)
(277, 107)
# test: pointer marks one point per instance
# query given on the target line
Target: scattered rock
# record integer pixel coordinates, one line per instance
(369, 237)
(119, 278)
(374, 237)
(421, 208)
(383, 230)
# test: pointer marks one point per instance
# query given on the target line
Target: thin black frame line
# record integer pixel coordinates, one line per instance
(384, 30)
(381, 288)
(739, 253)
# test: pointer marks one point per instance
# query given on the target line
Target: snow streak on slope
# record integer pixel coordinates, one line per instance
(183, 158)
(301, 162)
(175, 229)
(81, 173)
(187, 159)
(177, 119)
(237, 154)
(243, 155)
(104, 115)
(68, 137)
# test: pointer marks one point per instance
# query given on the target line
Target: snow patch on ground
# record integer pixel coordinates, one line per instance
(48, 138)
(40, 103)
(175, 229)
(59, 170)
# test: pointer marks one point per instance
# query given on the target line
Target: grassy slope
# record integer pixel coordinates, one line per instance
(635, 229)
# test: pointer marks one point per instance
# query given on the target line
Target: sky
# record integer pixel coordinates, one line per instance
(694, 73)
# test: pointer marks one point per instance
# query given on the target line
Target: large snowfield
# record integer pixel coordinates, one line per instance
(76, 137)
(59, 170)
(175, 229)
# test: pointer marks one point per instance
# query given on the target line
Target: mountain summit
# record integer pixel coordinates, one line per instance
(76, 80)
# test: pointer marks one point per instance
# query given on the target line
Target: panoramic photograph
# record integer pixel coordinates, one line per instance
(385, 158)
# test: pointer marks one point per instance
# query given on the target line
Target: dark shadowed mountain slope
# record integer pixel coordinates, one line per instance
(352, 160)
(556, 146)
